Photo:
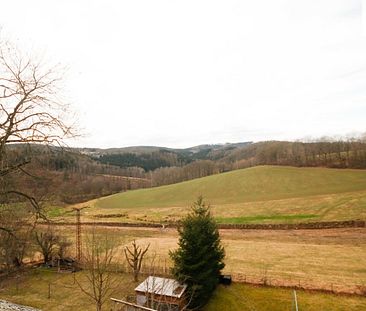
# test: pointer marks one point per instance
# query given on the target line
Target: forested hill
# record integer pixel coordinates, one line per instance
(167, 166)
(343, 153)
(83, 174)
(150, 158)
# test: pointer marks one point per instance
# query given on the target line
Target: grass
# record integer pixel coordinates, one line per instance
(261, 183)
(316, 258)
(265, 194)
(32, 289)
(55, 211)
(263, 218)
(313, 258)
(244, 297)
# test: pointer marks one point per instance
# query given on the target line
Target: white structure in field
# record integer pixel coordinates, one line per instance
(161, 293)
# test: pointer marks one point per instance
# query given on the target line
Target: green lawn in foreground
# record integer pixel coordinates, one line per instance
(32, 289)
(242, 297)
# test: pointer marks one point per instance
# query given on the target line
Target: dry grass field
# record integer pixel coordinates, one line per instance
(328, 259)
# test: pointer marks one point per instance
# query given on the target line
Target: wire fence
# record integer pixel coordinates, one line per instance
(164, 269)
(265, 279)
(301, 283)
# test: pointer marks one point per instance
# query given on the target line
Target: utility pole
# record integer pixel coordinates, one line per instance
(78, 233)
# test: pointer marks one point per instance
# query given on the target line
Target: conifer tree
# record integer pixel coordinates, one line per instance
(199, 258)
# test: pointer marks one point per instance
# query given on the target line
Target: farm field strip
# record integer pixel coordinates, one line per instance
(334, 207)
(314, 258)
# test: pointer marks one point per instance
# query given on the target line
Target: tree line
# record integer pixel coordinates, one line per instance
(70, 177)
(349, 153)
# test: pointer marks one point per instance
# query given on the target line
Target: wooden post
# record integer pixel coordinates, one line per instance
(49, 290)
(294, 302)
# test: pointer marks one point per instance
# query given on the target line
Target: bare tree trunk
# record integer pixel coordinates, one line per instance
(135, 257)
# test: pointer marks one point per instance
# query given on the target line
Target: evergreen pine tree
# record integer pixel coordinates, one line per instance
(199, 258)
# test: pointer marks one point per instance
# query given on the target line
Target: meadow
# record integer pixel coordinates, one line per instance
(264, 194)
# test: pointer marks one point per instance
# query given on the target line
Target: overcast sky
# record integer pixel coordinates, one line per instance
(182, 73)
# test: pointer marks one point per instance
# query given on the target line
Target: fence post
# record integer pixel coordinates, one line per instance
(49, 290)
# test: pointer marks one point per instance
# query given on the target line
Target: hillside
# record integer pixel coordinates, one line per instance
(166, 166)
(151, 157)
(64, 176)
(258, 194)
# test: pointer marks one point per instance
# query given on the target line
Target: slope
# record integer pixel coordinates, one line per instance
(258, 194)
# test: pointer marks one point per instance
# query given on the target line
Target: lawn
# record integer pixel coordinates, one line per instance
(250, 298)
(32, 289)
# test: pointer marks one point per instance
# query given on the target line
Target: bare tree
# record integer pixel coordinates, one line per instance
(99, 273)
(47, 242)
(14, 241)
(135, 257)
(30, 112)
(63, 245)
(30, 109)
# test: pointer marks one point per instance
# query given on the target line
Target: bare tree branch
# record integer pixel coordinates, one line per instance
(135, 257)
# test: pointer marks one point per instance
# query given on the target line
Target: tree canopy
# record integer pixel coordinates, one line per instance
(199, 258)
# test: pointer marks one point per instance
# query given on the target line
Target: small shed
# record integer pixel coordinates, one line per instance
(161, 294)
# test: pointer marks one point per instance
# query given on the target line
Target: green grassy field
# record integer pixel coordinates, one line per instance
(32, 289)
(264, 194)
(244, 297)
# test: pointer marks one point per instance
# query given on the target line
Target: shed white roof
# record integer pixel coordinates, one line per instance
(162, 286)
